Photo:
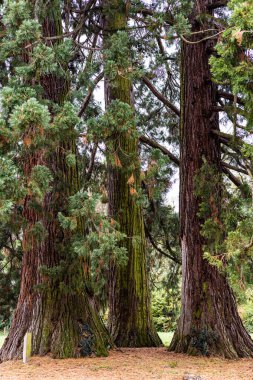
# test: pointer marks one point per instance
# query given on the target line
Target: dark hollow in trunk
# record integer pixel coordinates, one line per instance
(209, 322)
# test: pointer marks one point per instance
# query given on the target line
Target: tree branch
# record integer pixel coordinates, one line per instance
(90, 92)
(227, 95)
(226, 136)
(236, 182)
(170, 20)
(160, 96)
(148, 234)
(153, 144)
(235, 168)
(214, 4)
(156, 145)
(92, 161)
(250, 245)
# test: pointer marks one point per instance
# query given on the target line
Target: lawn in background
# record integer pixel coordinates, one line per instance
(165, 337)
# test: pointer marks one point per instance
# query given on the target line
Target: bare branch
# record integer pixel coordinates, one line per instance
(227, 95)
(235, 168)
(148, 234)
(92, 161)
(156, 145)
(214, 4)
(160, 96)
(236, 182)
(90, 92)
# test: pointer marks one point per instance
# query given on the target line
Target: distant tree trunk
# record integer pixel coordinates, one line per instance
(130, 321)
(209, 322)
(59, 310)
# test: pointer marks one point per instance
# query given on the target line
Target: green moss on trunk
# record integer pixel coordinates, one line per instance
(130, 320)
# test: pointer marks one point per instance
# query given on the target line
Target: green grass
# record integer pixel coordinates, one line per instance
(166, 337)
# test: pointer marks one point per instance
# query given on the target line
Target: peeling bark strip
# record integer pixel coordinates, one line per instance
(130, 320)
(209, 322)
(59, 312)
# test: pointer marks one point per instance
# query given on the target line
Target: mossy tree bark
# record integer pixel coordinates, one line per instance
(59, 310)
(209, 322)
(130, 321)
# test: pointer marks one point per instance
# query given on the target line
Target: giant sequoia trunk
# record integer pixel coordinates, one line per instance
(130, 320)
(209, 322)
(55, 302)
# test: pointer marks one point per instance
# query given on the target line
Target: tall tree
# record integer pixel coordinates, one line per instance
(55, 301)
(130, 320)
(209, 322)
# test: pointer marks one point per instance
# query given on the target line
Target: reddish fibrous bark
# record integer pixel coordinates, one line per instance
(209, 322)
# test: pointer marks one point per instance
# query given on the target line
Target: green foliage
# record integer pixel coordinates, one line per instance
(10, 272)
(15, 95)
(30, 120)
(118, 119)
(65, 121)
(165, 310)
(117, 56)
(71, 159)
(203, 340)
(246, 309)
(16, 12)
(11, 188)
(233, 66)
(102, 241)
(39, 182)
(227, 230)
(42, 61)
(118, 60)
(29, 31)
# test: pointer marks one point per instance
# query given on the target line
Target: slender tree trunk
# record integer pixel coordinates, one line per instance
(59, 310)
(130, 321)
(209, 322)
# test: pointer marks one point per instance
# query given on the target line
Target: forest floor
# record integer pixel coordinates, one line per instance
(129, 364)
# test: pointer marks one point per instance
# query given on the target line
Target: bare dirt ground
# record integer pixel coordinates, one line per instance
(129, 364)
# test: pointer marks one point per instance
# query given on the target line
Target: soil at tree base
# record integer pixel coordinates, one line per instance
(129, 364)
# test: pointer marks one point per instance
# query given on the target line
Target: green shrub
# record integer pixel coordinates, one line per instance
(165, 310)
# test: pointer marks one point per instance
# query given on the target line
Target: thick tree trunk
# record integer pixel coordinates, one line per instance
(57, 307)
(209, 322)
(130, 321)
